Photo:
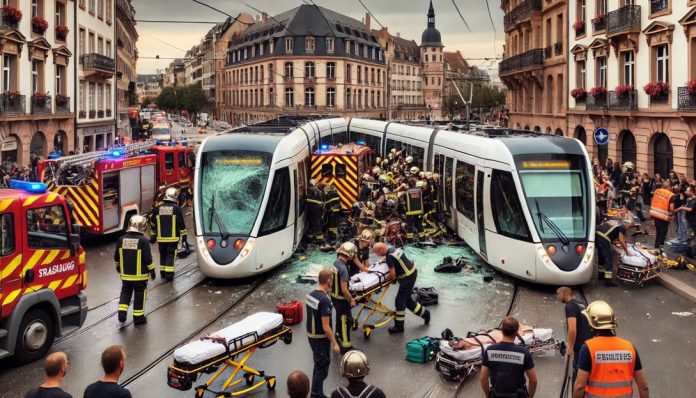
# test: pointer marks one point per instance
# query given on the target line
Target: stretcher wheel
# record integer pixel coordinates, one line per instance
(562, 348)
(367, 332)
(199, 393)
(249, 378)
(355, 324)
(271, 383)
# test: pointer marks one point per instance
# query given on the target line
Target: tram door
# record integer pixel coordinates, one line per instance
(479, 213)
(448, 203)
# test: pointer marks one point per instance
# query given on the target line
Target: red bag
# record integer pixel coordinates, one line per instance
(291, 311)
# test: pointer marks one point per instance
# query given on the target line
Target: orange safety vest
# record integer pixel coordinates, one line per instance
(659, 206)
(613, 364)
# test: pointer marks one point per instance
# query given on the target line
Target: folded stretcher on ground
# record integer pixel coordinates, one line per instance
(215, 353)
(638, 268)
(459, 364)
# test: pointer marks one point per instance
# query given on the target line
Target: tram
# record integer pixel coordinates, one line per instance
(522, 200)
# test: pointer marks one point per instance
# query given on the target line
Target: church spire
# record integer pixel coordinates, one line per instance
(431, 15)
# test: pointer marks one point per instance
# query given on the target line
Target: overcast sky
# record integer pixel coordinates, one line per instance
(407, 17)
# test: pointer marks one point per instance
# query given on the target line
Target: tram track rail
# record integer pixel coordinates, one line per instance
(219, 315)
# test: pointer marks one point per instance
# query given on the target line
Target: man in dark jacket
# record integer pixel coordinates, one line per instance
(134, 263)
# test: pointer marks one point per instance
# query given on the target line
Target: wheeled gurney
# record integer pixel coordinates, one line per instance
(369, 289)
(458, 364)
(638, 268)
(218, 352)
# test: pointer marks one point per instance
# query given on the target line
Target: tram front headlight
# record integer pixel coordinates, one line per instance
(588, 254)
(543, 256)
(248, 247)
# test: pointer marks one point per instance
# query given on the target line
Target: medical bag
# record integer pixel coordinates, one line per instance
(422, 350)
(425, 295)
(291, 312)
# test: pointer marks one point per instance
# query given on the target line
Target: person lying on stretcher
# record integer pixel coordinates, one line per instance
(485, 338)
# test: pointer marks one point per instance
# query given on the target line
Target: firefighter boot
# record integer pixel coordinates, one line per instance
(426, 317)
(397, 328)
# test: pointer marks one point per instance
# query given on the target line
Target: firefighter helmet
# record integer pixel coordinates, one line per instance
(137, 224)
(393, 151)
(429, 175)
(354, 365)
(378, 160)
(628, 166)
(367, 235)
(421, 175)
(347, 249)
(414, 170)
(171, 194)
(312, 182)
(376, 170)
(420, 184)
(600, 315)
(409, 159)
(383, 178)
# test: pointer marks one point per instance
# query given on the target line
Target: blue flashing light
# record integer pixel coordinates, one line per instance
(158, 142)
(116, 153)
(28, 186)
(325, 147)
(360, 142)
(54, 155)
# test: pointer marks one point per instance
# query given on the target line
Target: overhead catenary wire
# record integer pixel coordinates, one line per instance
(170, 45)
(371, 14)
(272, 17)
(495, 32)
(461, 16)
(169, 21)
(322, 15)
(234, 19)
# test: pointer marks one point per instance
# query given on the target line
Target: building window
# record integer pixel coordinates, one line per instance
(288, 70)
(331, 97)
(289, 97)
(309, 44)
(357, 49)
(82, 42)
(601, 71)
(629, 67)
(92, 96)
(8, 82)
(35, 76)
(92, 40)
(330, 45)
(330, 70)
(289, 44)
(108, 48)
(82, 95)
(582, 10)
(108, 10)
(309, 97)
(107, 94)
(365, 52)
(100, 9)
(580, 74)
(309, 69)
(359, 74)
(662, 63)
(100, 97)
(60, 70)
(92, 6)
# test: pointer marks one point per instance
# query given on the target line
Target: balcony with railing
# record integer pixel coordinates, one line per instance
(99, 64)
(100, 114)
(523, 11)
(623, 21)
(92, 114)
(12, 104)
(686, 101)
(598, 103)
(658, 6)
(62, 104)
(108, 113)
(532, 59)
(627, 101)
(82, 115)
(41, 104)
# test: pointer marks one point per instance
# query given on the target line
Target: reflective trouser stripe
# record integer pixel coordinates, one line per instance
(418, 310)
(123, 307)
(129, 278)
(609, 384)
(315, 201)
(592, 395)
(166, 268)
(151, 267)
(400, 315)
(345, 337)
(316, 336)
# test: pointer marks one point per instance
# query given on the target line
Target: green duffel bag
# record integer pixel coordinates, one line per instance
(422, 350)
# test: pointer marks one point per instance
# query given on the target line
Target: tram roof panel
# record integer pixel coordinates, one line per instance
(242, 141)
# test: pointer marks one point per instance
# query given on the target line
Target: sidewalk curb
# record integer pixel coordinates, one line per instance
(678, 287)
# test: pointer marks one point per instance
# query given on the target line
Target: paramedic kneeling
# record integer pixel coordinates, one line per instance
(607, 364)
(354, 367)
(506, 364)
(606, 234)
(403, 269)
(321, 337)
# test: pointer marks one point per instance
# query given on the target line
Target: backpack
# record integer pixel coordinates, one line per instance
(366, 393)
(449, 266)
(422, 350)
(425, 295)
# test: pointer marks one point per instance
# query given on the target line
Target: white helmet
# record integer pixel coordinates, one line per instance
(347, 249)
(137, 224)
(312, 182)
(414, 170)
(354, 365)
(376, 170)
(420, 184)
(409, 159)
(171, 194)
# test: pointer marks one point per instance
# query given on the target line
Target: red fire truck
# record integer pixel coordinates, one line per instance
(106, 188)
(42, 271)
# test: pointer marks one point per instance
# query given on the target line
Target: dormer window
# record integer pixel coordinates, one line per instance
(289, 44)
(309, 44)
(330, 45)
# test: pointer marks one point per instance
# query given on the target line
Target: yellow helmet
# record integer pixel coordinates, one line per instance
(348, 249)
(367, 235)
(354, 365)
(600, 315)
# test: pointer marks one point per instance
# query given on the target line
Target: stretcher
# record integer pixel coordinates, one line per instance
(638, 268)
(458, 364)
(219, 352)
(369, 289)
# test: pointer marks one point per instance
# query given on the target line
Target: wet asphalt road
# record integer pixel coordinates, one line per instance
(193, 306)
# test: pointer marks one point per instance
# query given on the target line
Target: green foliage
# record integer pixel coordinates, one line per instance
(485, 96)
(190, 98)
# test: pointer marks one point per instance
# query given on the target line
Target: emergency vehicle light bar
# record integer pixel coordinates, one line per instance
(28, 186)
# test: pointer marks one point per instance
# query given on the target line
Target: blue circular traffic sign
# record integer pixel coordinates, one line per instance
(601, 136)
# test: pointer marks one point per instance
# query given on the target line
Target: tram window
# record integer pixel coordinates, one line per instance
(507, 212)
(340, 170)
(340, 138)
(438, 163)
(417, 152)
(449, 164)
(169, 161)
(465, 189)
(182, 160)
(8, 234)
(302, 184)
(275, 217)
(326, 170)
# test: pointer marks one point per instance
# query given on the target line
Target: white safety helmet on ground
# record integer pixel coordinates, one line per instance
(354, 365)
(347, 249)
(137, 224)
(171, 194)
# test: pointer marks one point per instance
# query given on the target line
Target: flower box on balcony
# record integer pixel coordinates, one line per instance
(11, 15)
(579, 27)
(82, 114)
(62, 32)
(691, 87)
(623, 90)
(656, 89)
(598, 92)
(61, 100)
(39, 25)
(579, 94)
(92, 114)
(12, 96)
(40, 99)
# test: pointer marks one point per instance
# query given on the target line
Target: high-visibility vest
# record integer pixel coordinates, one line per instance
(613, 364)
(659, 206)
(414, 202)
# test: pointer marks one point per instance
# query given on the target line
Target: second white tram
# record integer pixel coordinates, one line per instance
(523, 201)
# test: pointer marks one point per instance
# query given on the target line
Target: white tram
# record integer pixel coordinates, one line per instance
(523, 201)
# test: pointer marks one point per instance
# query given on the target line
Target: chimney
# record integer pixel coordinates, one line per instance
(398, 34)
(264, 17)
(257, 18)
(367, 21)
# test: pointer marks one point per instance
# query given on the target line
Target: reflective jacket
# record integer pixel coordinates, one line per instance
(396, 258)
(414, 202)
(315, 199)
(168, 222)
(613, 364)
(133, 257)
(659, 206)
(333, 202)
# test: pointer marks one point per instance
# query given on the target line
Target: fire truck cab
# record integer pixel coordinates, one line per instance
(343, 167)
(42, 271)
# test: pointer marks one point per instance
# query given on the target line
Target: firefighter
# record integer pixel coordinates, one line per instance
(315, 205)
(333, 209)
(134, 262)
(605, 235)
(341, 298)
(414, 212)
(361, 262)
(607, 365)
(403, 269)
(354, 367)
(168, 228)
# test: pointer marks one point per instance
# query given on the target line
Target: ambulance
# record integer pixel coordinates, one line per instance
(342, 166)
(42, 271)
